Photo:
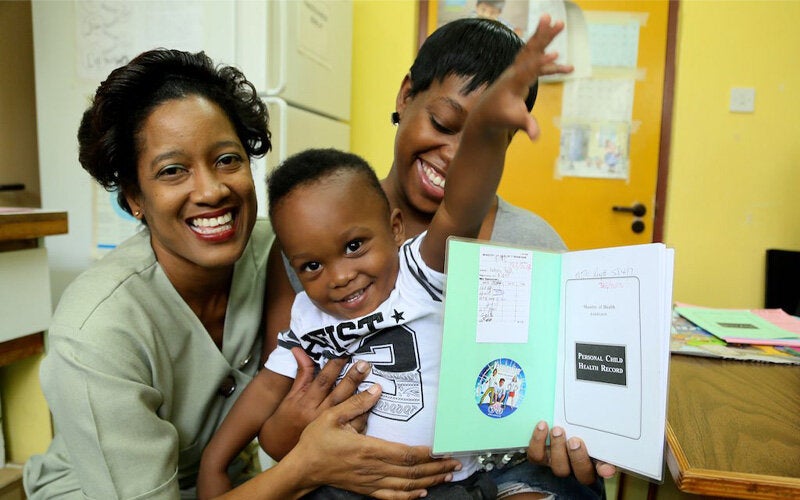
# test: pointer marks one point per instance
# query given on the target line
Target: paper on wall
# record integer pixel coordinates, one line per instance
(110, 224)
(109, 34)
(572, 44)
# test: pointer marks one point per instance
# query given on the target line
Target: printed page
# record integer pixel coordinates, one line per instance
(572, 44)
(602, 364)
(614, 38)
(108, 34)
(500, 339)
(111, 225)
(615, 353)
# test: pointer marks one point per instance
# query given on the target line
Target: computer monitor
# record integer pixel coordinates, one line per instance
(782, 288)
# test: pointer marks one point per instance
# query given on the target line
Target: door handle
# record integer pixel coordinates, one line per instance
(637, 209)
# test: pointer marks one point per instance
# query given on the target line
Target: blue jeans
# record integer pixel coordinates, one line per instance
(542, 479)
(478, 486)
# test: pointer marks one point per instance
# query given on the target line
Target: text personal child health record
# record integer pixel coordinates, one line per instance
(579, 339)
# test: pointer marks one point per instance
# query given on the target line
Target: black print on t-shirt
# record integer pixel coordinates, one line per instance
(394, 355)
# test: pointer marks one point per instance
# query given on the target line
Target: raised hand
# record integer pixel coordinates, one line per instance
(503, 103)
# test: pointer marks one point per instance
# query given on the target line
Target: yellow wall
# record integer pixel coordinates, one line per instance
(26, 419)
(384, 45)
(734, 184)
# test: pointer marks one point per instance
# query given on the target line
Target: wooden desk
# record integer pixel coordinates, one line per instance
(30, 223)
(734, 428)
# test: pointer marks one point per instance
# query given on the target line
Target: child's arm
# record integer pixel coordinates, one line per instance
(474, 173)
(242, 424)
(278, 299)
(310, 395)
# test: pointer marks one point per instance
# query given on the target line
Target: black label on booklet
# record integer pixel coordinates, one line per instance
(600, 363)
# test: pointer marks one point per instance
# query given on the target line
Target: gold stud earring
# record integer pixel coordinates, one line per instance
(137, 213)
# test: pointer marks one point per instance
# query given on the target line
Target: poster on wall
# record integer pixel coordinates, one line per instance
(597, 149)
(598, 99)
(597, 112)
(512, 13)
(522, 16)
(614, 38)
(111, 225)
(108, 34)
(596, 123)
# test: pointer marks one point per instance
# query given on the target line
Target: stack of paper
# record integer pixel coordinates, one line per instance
(746, 326)
(689, 339)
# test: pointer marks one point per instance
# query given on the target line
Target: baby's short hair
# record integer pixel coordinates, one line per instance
(313, 165)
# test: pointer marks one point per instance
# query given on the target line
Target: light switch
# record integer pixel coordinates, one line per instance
(743, 99)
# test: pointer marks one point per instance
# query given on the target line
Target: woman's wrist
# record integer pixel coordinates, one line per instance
(295, 481)
(283, 481)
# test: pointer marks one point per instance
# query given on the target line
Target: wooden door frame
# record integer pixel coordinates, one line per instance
(662, 175)
(666, 122)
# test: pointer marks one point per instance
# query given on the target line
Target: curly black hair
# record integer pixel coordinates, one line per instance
(107, 135)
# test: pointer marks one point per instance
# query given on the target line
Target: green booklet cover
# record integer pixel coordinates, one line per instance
(578, 339)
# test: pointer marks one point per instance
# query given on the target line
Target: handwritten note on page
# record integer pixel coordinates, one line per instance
(504, 293)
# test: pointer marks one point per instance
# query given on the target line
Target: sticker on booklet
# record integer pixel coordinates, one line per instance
(500, 388)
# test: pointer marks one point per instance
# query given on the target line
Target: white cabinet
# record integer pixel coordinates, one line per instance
(25, 293)
(25, 303)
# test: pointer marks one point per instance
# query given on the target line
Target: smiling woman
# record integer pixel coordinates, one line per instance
(195, 191)
(149, 348)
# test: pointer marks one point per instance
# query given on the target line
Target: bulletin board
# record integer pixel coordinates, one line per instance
(581, 209)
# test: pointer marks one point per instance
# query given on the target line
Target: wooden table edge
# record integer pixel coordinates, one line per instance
(721, 483)
(33, 224)
(19, 348)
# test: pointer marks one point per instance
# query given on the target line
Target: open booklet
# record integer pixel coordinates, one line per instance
(579, 339)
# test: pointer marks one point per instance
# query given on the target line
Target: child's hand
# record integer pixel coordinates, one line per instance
(503, 103)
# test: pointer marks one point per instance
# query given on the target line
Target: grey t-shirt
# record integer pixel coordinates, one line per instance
(518, 226)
